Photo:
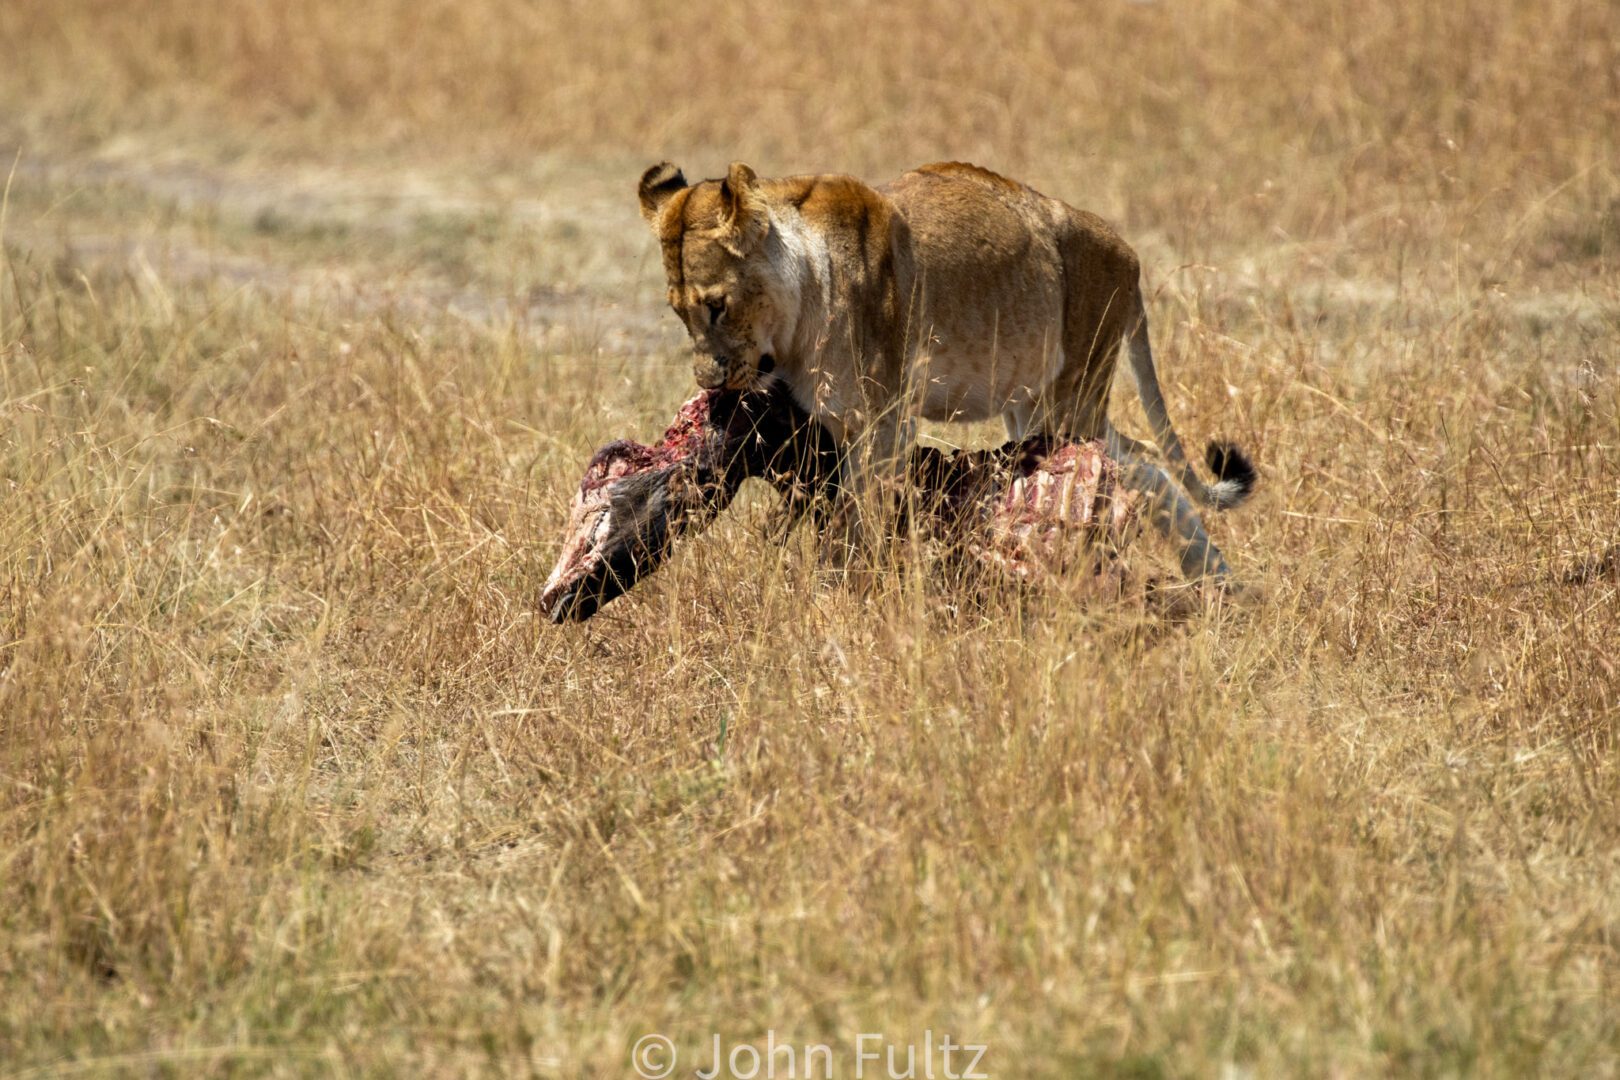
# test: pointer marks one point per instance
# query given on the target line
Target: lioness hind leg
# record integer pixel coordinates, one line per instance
(1095, 318)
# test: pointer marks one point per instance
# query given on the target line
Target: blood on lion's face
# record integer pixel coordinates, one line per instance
(725, 276)
(726, 304)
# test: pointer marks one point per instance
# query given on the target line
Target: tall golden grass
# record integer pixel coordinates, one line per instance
(1334, 118)
(292, 780)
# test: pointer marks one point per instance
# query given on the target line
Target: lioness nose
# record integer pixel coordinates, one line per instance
(710, 372)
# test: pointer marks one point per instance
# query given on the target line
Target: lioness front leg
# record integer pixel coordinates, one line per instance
(871, 477)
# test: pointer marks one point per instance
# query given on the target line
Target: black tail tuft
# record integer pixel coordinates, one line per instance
(1235, 474)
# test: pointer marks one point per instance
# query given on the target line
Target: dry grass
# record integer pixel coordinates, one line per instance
(292, 780)
(1376, 126)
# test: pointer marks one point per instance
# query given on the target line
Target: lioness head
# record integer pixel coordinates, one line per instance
(724, 283)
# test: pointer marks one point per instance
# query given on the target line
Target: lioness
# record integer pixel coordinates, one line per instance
(951, 293)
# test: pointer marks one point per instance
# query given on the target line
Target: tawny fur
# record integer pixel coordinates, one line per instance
(951, 293)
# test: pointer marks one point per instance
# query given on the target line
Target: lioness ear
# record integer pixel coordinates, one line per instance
(742, 212)
(657, 185)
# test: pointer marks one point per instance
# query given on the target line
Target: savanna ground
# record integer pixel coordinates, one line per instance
(311, 313)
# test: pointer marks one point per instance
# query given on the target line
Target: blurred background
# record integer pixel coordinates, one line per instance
(1480, 132)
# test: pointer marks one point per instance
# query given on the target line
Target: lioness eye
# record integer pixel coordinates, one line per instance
(717, 308)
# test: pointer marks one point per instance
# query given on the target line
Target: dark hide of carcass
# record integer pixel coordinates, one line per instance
(1026, 509)
(636, 500)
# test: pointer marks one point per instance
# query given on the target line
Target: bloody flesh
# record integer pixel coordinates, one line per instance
(1026, 510)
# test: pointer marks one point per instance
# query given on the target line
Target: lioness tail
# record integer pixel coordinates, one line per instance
(1235, 474)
